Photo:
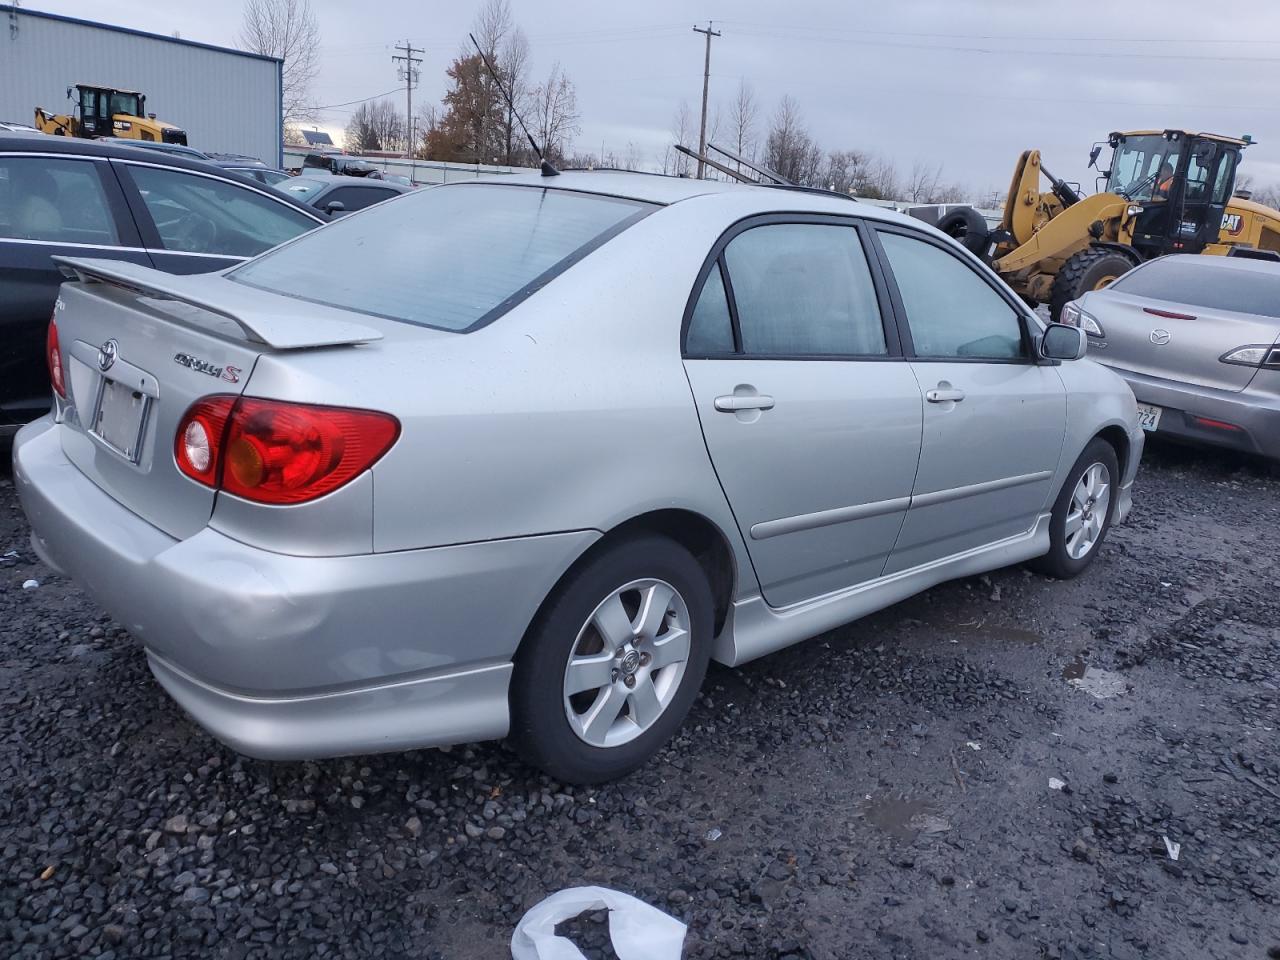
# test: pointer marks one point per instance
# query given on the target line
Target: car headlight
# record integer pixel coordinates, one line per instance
(1254, 355)
(1073, 315)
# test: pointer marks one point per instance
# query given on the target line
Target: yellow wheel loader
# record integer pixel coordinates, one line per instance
(105, 112)
(1167, 191)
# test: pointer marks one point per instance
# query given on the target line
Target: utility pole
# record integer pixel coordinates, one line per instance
(706, 81)
(409, 73)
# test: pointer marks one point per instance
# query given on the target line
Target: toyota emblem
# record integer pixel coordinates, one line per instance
(107, 355)
(1160, 337)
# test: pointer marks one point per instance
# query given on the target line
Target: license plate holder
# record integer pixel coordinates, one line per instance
(1149, 416)
(120, 418)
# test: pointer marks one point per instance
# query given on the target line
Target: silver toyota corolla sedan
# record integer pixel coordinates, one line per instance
(519, 457)
(1198, 340)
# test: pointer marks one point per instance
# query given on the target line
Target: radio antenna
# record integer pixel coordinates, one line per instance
(547, 169)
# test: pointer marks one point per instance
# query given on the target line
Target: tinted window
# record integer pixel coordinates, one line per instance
(54, 199)
(951, 310)
(1205, 285)
(710, 328)
(356, 198)
(1226, 171)
(447, 257)
(804, 289)
(195, 214)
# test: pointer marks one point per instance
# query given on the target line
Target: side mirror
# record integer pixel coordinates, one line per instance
(1062, 342)
(335, 206)
(1093, 154)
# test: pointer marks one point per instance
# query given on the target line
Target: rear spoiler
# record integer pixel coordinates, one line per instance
(282, 324)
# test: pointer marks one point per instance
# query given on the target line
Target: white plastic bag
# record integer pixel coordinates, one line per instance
(637, 930)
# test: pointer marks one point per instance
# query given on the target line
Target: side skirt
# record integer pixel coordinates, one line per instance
(754, 628)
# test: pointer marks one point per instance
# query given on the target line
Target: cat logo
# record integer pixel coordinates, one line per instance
(1233, 223)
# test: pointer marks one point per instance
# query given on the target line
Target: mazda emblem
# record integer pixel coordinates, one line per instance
(107, 355)
(1160, 337)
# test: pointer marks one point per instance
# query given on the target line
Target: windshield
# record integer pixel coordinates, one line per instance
(453, 258)
(1190, 283)
(126, 103)
(1141, 166)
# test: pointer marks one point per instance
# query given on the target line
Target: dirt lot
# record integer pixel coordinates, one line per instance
(990, 769)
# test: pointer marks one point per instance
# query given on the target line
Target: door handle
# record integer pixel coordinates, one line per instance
(943, 395)
(732, 404)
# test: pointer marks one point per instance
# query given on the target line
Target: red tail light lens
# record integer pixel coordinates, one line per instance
(279, 453)
(53, 355)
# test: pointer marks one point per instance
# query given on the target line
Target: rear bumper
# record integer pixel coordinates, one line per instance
(294, 657)
(1255, 415)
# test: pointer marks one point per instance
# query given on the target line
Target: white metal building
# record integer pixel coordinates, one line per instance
(228, 101)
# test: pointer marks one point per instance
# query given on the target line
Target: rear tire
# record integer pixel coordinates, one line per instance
(970, 228)
(1083, 512)
(598, 686)
(1087, 270)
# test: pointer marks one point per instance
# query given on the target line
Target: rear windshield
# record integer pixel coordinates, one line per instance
(453, 258)
(1200, 285)
(301, 187)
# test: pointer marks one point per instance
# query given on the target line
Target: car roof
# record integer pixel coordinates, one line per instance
(45, 143)
(332, 181)
(665, 190)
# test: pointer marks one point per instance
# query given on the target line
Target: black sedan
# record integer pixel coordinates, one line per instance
(336, 195)
(65, 196)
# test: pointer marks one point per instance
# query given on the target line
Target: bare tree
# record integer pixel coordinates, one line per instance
(514, 67)
(744, 115)
(675, 163)
(376, 126)
(789, 149)
(555, 114)
(923, 182)
(286, 29)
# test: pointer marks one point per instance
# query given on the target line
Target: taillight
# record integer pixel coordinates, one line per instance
(274, 452)
(53, 356)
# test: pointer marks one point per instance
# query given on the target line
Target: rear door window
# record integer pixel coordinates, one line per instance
(804, 289)
(356, 198)
(449, 257)
(55, 200)
(198, 214)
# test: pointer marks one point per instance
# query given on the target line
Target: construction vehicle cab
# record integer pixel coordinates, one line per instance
(106, 112)
(1183, 182)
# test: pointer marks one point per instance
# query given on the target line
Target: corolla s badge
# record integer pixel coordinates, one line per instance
(1160, 337)
(107, 355)
(228, 373)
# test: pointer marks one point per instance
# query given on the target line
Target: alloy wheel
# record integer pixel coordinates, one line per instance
(627, 662)
(1087, 514)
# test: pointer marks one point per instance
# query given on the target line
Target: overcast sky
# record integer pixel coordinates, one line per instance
(964, 83)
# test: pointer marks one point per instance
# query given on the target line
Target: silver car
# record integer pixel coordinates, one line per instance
(1198, 340)
(519, 457)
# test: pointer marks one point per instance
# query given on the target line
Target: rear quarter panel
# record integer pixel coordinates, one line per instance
(570, 412)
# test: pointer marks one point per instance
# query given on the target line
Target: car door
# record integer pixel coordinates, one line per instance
(49, 205)
(994, 414)
(196, 222)
(810, 415)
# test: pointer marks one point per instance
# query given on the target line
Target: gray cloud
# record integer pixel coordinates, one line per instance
(964, 83)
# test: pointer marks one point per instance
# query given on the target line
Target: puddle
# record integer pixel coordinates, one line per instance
(902, 818)
(1098, 683)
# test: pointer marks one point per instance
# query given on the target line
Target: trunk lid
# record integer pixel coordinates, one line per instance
(139, 347)
(1176, 341)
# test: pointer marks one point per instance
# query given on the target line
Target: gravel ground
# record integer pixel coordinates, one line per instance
(990, 769)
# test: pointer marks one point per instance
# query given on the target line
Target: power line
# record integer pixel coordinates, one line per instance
(706, 83)
(334, 106)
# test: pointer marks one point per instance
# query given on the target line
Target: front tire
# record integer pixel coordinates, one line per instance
(613, 662)
(1090, 269)
(1083, 512)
